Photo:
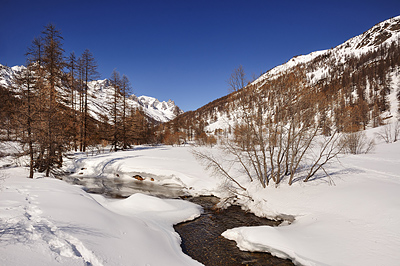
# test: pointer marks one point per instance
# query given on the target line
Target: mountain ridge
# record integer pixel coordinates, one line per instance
(358, 80)
(389, 30)
(99, 93)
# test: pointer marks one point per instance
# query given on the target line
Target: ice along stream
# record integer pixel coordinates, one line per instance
(201, 238)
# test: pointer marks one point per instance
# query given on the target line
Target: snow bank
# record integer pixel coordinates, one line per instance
(49, 222)
(168, 166)
(355, 222)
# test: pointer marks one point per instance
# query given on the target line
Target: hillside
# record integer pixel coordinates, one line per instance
(353, 86)
(100, 92)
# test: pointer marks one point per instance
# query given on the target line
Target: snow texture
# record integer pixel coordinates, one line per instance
(350, 218)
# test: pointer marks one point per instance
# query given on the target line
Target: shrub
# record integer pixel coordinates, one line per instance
(357, 143)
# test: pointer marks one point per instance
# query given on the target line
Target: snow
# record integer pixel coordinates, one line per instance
(55, 223)
(351, 218)
(355, 222)
(49, 222)
(168, 166)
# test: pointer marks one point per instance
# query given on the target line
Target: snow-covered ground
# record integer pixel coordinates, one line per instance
(354, 222)
(353, 218)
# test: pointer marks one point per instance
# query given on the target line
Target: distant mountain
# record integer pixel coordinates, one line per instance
(355, 84)
(101, 92)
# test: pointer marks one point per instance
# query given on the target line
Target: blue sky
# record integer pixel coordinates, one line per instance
(186, 50)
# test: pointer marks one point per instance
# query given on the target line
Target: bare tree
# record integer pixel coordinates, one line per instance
(72, 76)
(116, 85)
(389, 132)
(34, 55)
(275, 134)
(125, 90)
(89, 72)
(237, 80)
(25, 82)
(215, 165)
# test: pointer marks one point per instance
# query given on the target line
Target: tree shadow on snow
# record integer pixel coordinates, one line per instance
(323, 177)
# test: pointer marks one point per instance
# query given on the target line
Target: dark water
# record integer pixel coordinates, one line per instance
(202, 240)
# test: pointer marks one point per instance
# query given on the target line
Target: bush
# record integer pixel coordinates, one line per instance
(388, 133)
(357, 143)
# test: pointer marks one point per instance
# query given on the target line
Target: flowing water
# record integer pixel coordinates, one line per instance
(201, 238)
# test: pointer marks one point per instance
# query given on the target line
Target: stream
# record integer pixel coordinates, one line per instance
(201, 238)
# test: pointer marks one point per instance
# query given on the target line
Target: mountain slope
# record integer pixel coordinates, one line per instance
(353, 86)
(383, 33)
(101, 93)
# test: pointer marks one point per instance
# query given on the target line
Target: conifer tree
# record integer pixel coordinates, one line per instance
(116, 86)
(53, 65)
(89, 73)
(72, 85)
(125, 89)
(25, 81)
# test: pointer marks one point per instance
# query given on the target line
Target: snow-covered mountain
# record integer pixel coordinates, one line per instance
(360, 77)
(383, 33)
(100, 93)
(7, 74)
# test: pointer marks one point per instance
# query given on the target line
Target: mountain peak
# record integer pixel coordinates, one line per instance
(385, 32)
(378, 34)
(100, 91)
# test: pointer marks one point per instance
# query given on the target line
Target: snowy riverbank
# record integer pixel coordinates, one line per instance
(49, 222)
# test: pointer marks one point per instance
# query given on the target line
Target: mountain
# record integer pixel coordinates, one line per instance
(383, 33)
(101, 92)
(352, 86)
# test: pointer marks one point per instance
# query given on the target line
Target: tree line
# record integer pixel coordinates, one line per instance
(47, 108)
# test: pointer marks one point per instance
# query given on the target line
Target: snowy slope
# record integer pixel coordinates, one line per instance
(101, 93)
(385, 32)
(7, 73)
(318, 66)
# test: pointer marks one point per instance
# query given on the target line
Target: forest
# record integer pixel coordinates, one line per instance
(46, 106)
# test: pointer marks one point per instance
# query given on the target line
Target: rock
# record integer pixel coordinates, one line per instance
(138, 177)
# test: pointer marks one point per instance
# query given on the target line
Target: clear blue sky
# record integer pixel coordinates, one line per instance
(186, 50)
